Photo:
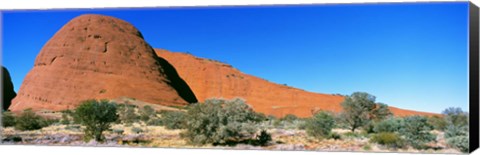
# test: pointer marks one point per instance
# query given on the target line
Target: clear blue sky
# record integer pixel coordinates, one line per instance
(410, 56)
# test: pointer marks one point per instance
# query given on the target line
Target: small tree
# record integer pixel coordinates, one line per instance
(417, 131)
(360, 108)
(320, 125)
(97, 117)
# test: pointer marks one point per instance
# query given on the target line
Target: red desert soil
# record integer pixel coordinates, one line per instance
(101, 57)
(213, 79)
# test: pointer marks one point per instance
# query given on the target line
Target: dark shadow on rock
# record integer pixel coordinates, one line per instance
(8, 92)
(176, 81)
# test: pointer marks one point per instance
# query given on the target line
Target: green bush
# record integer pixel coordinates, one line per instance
(173, 119)
(127, 114)
(388, 139)
(459, 142)
(453, 131)
(456, 116)
(155, 122)
(28, 120)
(220, 122)
(290, 124)
(264, 138)
(457, 137)
(289, 118)
(359, 109)
(96, 116)
(146, 113)
(65, 118)
(320, 125)
(417, 131)
(356, 135)
(389, 125)
(438, 123)
(334, 135)
(8, 119)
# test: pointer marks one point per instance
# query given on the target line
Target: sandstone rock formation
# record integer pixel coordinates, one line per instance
(99, 57)
(8, 92)
(213, 79)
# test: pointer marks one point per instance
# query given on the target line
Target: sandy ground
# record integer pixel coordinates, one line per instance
(158, 136)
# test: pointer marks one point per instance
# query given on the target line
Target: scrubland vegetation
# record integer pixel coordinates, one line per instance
(364, 125)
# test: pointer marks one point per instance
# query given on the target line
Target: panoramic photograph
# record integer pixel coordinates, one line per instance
(376, 77)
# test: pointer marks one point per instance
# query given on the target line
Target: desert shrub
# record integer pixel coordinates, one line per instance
(334, 135)
(416, 131)
(289, 118)
(453, 131)
(146, 113)
(456, 130)
(173, 119)
(457, 137)
(28, 120)
(360, 108)
(136, 130)
(388, 139)
(455, 116)
(301, 125)
(65, 119)
(438, 122)
(118, 131)
(340, 121)
(127, 114)
(296, 124)
(389, 125)
(262, 117)
(355, 135)
(459, 142)
(220, 122)
(264, 138)
(320, 125)
(155, 122)
(367, 147)
(368, 128)
(75, 128)
(96, 116)
(8, 119)
(48, 122)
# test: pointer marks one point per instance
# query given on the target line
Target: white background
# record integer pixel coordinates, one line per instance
(63, 150)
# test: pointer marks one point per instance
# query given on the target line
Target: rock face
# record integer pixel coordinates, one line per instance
(99, 57)
(213, 79)
(7, 90)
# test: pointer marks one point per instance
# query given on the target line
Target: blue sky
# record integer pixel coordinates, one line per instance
(409, 55)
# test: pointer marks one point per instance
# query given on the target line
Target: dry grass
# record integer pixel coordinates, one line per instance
(159, 136)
